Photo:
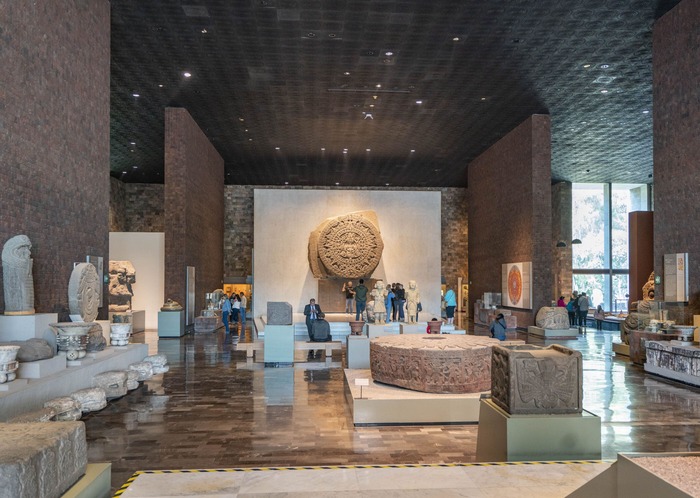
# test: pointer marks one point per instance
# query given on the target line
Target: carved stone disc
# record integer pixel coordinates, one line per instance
(83, 292)
(350, 246)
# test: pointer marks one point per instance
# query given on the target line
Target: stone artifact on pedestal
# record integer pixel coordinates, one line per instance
(83, 293)
(132, 379)
(433, 363)
(32, 350)
(674, 360)
(534, 380)
(113, 383)
(96, 340)
(412, 300)
(121, 277)
(119, 334)
(552, 318)
(379, 295)
(143, 368)
(91, 399)
(159, 362)
(72, 338)
(279, 313)
(41, 460)
(66, 408)
(171, 305)
(8, 363)
(347, 246)
(357, 328)
(435, 326)
(17, 279)
(639, 315)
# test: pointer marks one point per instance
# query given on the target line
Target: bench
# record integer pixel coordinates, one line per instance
(251, 347)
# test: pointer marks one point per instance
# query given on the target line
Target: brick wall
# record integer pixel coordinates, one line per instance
(510, 212)
(562, 283)
(117, 206)
(676, 141)
(54, 130)
(194, 208)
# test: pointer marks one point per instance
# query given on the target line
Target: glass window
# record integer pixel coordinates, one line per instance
(624, 199)
(596, 286)
(620, 286)
(588, 223)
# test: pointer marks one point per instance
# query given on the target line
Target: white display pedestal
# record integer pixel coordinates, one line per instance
(414, 328)
(620, 348)
(358, 351)
(41, 368)
(279, 344)
(379, 329)
(25, 327)
(504, 437)
(171, 323)
(138, 320)
(552, 334)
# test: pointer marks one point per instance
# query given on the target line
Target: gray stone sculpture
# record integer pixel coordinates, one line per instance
(113, 383)
(8, 363)
(412, 300)
(132, 379)
(379, 294)
(83, 293)
(119, 333)
(91, 399)
(72, 338)
(40, 415)
(66, 408)
(534, 380)
(41, 460)
(143, 368)
(122, 276)
(17, 278)
(32, 350)
(159, 362)
(347, 246)
(96, 340)
(552, 318)
(279, 313)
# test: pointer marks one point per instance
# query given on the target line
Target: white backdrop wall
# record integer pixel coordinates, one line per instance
(146, 251)
(409, 222)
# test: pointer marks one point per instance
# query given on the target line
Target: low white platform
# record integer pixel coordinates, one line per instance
(95, 483)
(384, 404)
(375, 330)
(33, 395)
(25, 327)
(620, 348)
(552, 334)
(41, 368)
(171, 323)
(14, 385)
(279, 344)
(358, 352)
(414, 328)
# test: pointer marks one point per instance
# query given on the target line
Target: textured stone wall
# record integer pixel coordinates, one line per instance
(676, 141)
(117, 206)
(562, 284)
(136, 207)
(54, 131)
(194, 208)
(510, 212)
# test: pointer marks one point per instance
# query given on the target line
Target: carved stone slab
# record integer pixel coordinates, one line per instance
(113, 383)
(681, 359)
(433, 363)
(347, 246)
(143, 368)
(84, 292)
(555, 318)
(39, 460)
(279, 313)
(121, 277)
(17, 277)
(67, 409)
(534, 380)
(40, 415)
(132, 379)
(91, 399)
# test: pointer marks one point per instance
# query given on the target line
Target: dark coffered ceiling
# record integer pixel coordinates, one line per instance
(383, 92)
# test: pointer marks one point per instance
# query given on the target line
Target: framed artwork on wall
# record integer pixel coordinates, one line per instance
(516, 285)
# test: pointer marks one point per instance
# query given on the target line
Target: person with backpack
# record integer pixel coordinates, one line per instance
(360, 299)
(583, 306)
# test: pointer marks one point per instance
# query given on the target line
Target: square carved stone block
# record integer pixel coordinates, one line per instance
(279, 313)
(534, 380)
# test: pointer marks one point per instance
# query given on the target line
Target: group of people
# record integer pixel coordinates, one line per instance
(232, 310)
(392, 296)
(578, 307)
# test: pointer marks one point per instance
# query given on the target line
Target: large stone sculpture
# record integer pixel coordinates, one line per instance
(144, 369)
(412, 300)
(552, 318)
(32, 349)
(83, 293)
(8, 363)
(96, 340)
(433, 363)
(121, 277)
(639, 315)
(91, 399)
(347, 246)
(67, 409)
(379, 294)
(159, 362)
(113, 383)
(533, 380)
(17, 279)
(72, 338)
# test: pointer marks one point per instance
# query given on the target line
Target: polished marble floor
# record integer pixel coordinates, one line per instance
(215, 410)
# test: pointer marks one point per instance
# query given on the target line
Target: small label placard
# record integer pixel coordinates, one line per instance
(362, 382)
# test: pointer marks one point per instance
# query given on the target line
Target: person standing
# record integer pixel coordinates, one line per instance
(349, 296)
(389, 302)
(571, 310)
(235, 310)
(583, 306)
(360, 299)
(561, 303)
(244, 304)
(450, 304)
(225, 311)
(400, 300)
(599, 316)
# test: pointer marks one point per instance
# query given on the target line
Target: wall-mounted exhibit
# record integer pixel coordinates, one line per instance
(517, 285)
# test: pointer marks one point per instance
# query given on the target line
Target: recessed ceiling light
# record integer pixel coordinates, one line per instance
(186, 74)
(135, 95)
(603, 91)
(586, 66)
(388, 53)
(241, 119)
(246, 130)
(135, 167)
(371, 105)
(483, 98)
(347, 73)
(286, 183)
(160, 86)
(378, 85)
(374, 97)
(386, 184)
(134, 143)
(311, 34)
(323, 149)
(413, 150)
(250, 139)
(419, 101)
(345, 152)
(204, 31)
(368, 150)
(277, 148)
(645, 112)
(123, 172)
(456, 38)
(337, 183)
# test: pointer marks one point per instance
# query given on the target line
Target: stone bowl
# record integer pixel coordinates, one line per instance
(72, 328)
(8, 354)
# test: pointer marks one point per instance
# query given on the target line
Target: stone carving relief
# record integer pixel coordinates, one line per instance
(279, 313)
(552, 318)
(67, 409)
(17, 278)
(533, 380)
(639, 315)
(347, 246)
(122, 276)
(379, 294)
(433, 363)
(91, 399)
(412, 300)
(83, 293)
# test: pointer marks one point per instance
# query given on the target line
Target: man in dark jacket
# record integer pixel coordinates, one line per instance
(360, 299)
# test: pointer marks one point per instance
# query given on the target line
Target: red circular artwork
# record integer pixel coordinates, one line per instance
(515, 284)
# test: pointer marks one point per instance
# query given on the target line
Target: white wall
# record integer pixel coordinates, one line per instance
(146, 251)
(409, 222)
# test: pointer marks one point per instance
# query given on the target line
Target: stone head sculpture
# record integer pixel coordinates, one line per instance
(121, 277)
(18, 281)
